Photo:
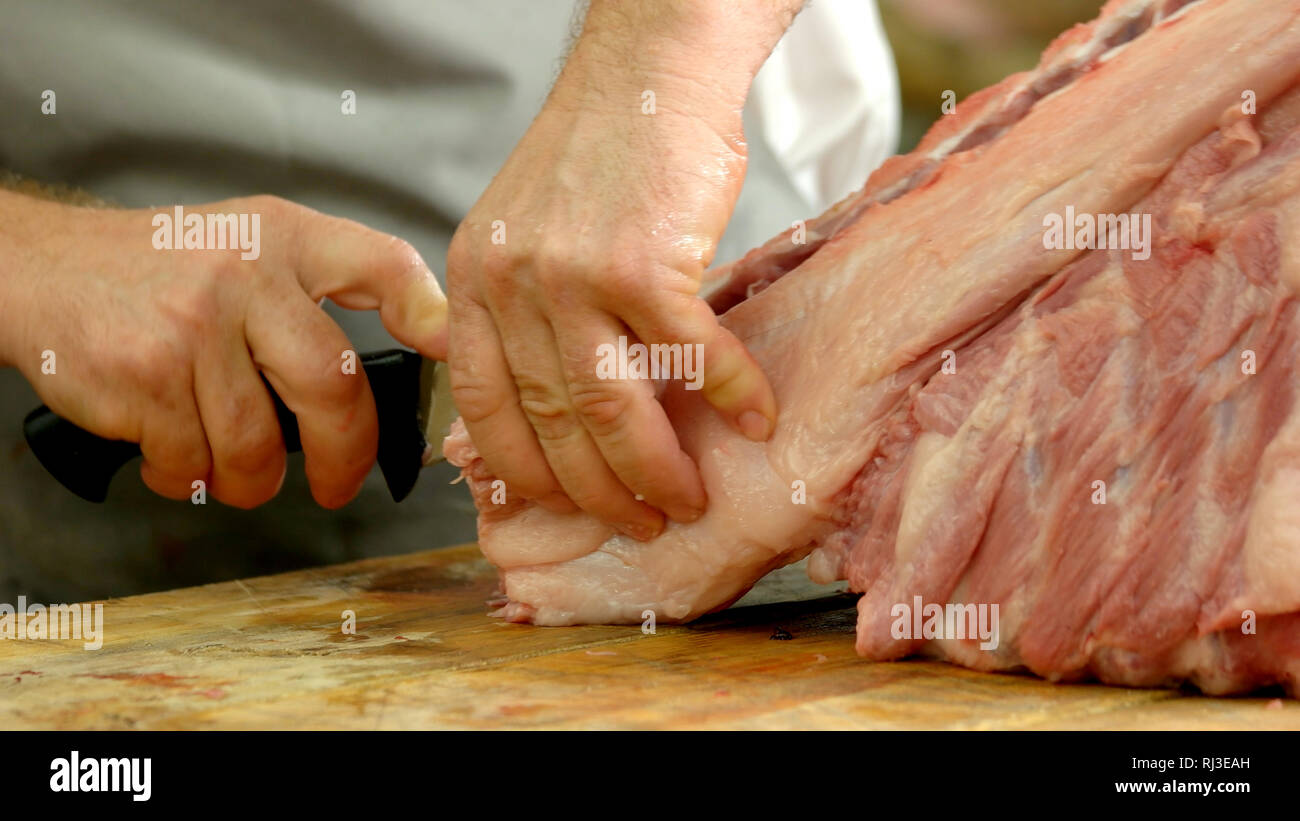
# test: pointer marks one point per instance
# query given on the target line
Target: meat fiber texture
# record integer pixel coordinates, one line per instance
(955, 398)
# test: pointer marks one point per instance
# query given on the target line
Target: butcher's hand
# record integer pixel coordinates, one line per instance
(601, 225)
(164, 347)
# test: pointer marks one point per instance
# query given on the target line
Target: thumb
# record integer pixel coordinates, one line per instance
(418, 316)
(362, 269)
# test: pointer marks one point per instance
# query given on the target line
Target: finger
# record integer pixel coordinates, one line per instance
(626, 421)
(361, 269)
(248, 457)
(731, 379)
(175, 446)
(573, 455)
(306, 357)
(485, 395)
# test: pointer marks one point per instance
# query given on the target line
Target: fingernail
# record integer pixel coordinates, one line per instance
(685, 514)
(640, 532)
(754, 425)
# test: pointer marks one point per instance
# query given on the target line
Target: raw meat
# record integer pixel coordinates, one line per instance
(954, 395)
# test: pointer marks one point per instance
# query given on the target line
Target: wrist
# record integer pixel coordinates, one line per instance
(697, 57)
(33, 235)
(15, 259)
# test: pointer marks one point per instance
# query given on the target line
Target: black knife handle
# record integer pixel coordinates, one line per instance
(85, 463)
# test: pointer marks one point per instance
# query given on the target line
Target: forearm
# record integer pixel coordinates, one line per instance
(29, 211)
(18, 237)
(698, 57)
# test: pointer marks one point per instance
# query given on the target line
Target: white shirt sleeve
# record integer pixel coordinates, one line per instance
(827, 99)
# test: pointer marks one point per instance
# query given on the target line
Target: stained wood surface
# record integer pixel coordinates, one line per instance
(270, 653)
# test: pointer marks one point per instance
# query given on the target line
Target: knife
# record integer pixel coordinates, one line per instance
(412, 398)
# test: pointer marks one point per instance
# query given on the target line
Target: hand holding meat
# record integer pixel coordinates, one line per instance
(600, 226)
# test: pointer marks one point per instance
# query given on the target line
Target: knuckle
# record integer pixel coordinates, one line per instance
(497, 259)
(565, 286)
(551, 415)
(113, 419)
(551, 422)
(555, 261)
(336, 388)
(192, 306)
(460, 256)
(476, 399)
(499, 276)
(322, 381)
(262, 458)
(187, 463)
(254, 449)
(601, 404)
(540, 398)
(152, 363)
(174, 460)
(616, 279)
(282, 225)
(230, 272)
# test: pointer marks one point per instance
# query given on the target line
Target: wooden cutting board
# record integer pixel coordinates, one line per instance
(271, 653)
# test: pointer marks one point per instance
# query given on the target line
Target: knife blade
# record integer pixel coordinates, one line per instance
(437, 409)
(412, 399)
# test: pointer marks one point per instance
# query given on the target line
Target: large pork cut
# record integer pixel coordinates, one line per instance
(1105, 444)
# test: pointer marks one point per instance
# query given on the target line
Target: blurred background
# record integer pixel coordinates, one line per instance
(146, 121)
(967, 45)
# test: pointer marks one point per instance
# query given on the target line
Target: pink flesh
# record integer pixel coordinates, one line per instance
(1072, 367)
